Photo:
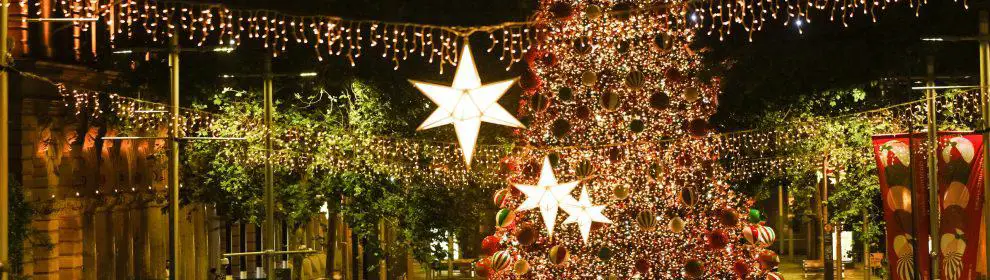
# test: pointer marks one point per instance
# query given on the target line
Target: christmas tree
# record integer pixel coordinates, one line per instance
(617, 141)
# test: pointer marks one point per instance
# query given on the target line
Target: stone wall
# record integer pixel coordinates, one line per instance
(101, 202)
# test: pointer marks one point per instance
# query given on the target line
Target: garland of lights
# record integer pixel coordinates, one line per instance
(205, 23)
(748, 152)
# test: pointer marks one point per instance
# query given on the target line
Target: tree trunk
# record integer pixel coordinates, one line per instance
(331, 247)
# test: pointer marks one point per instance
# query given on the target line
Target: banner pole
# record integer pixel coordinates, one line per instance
(933, 210)
(985, 123)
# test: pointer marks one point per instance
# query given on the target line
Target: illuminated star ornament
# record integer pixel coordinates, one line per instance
(466, 103)
(584, 213)
(548, 195)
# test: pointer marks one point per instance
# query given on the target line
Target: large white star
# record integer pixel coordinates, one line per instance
(584, 213)
(547, 194)
(467, 103)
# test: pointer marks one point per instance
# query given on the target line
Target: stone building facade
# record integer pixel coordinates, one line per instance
(100, 204)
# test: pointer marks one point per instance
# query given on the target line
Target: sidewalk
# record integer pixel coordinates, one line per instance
(791, 270)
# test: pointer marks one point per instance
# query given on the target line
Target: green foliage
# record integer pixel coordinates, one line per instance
(845, 142)
(329, 169)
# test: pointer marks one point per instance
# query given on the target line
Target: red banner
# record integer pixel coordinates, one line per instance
(902, 168)
(960, 191)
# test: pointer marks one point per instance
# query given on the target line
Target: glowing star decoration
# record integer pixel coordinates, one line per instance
(467, 103)
(548, 195)
(584, 214)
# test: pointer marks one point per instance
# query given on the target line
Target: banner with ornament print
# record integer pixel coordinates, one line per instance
(960, 191)
(901, 166)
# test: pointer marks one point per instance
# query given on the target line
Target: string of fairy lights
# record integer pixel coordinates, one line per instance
(749, 152)
(208, 23)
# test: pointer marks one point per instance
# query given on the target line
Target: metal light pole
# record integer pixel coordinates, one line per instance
(4, 143)
(173, 159)
(933, 211)
(269, 238)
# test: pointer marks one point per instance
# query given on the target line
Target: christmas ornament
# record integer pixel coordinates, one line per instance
(501, 197)
(694, 268)
(609, 101)
(635, 79)
(526, 235)
(565, 94)
(768, 259)
(504, 217)
(521, 267)
(655, 172)
(490, 245)
(728, 218)
(647, 220)
(676, 225)
(741, 268)
(659, 101)
(466, 104)
(692, 94)
(698, 127)
(687, 197)
(584, 169)
(592, 11)
(530, 82)
(605, 254)
(500, 261)
(584, 213)
(755, 216)
(547, 194)
(561, 10)
(661, 41)
(636, 126)
(589, 78)
(766, 236)
(642, 266)
(558, 255)
(716, 239)
(482, 268)
(621, 192)
(621, 11)
(560, 128)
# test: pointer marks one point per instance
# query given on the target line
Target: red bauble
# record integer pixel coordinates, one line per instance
(768, 260)
(548, 59)
(482, 269)
(673, 75)
(561, 10)
(697, 127)
(642, 266)
(490, 245)
(526, 235)
(716, 239)
(741, 268)
(530, 81)
(728, 218)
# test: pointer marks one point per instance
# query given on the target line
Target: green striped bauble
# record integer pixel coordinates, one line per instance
(500, 261)
(504, 217)
(501, 197)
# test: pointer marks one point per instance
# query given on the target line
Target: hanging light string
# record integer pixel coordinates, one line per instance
(209, 23)
(747, 151)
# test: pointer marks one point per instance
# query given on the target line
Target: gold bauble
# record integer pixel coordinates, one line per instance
(589, 78)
